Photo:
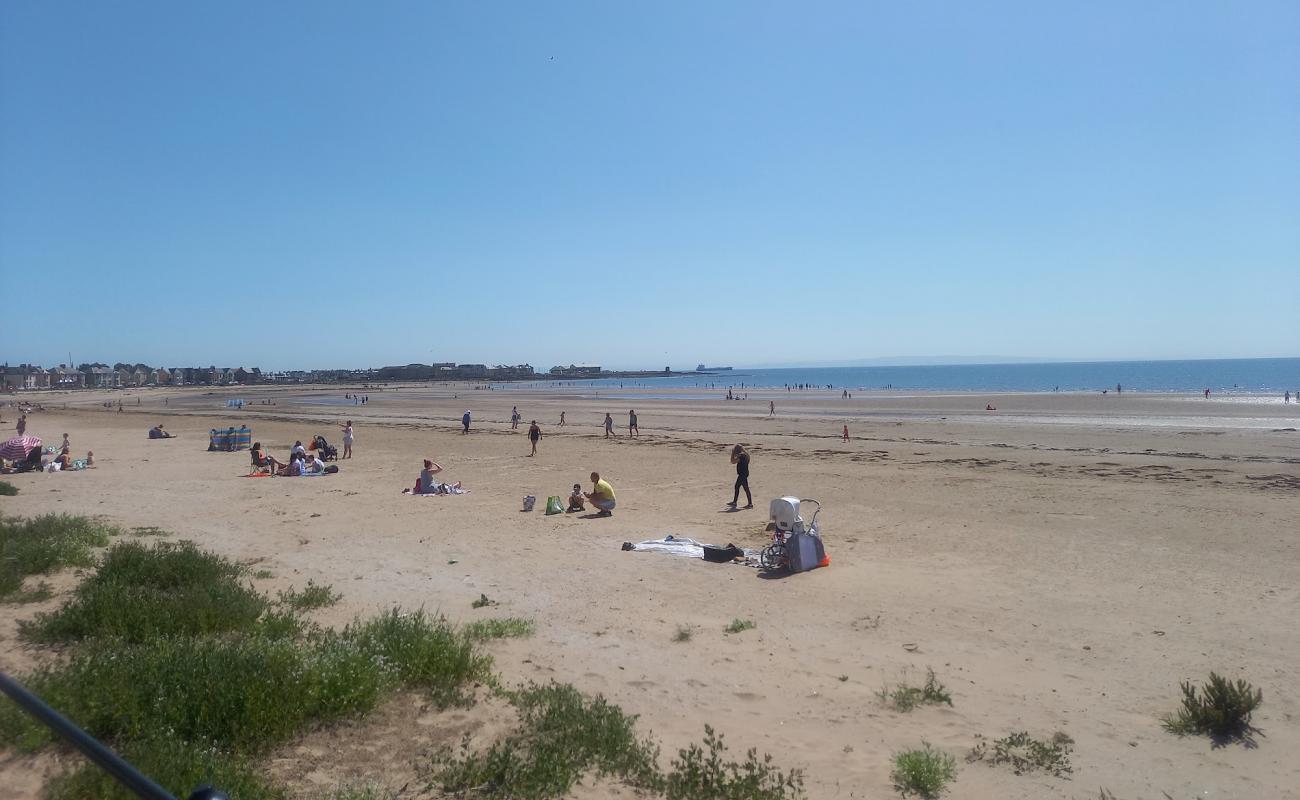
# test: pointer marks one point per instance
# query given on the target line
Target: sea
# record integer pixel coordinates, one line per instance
(1239, 376)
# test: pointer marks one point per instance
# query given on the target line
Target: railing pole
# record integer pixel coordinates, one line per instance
(110, 762)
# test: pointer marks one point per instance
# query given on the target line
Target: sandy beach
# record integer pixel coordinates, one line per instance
(1061, 563)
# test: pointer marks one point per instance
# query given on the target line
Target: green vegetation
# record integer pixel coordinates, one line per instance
(904, 698)
(312, 596)
(7, 489)
(564, 736)
(507, 628)
(42, 545)
(362, 791)
(148, 530)
(263, 574)
(1027, 754)
(483, 601)
(1222, 709)
(175, 765)
(140, 592)
(703, 773)
(193, 676)
(737, 625)
(923, 772)
(684, 633)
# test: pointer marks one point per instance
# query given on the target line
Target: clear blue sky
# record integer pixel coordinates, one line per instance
(638, 184)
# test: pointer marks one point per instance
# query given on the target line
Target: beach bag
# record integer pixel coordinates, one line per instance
(805, 552)
(331, 469)
(554, 505)
(529, 502)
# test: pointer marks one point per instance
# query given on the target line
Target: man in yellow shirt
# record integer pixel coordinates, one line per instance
(601, 495)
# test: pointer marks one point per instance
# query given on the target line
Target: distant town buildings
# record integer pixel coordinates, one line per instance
(122, 375)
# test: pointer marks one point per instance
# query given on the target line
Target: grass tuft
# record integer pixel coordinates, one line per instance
(7, 489)
(737, 625)
(704, 773)
(148, 530)
(904, 698)
(923, 772)
(312, 596)
(562, 736)
(507, 628)
(683, 634)
(1026, 754)
(1221, 709)
(140, 592)
(44, 544)
(483, 601)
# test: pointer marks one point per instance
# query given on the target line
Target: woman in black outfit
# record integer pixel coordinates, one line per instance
(740, 457)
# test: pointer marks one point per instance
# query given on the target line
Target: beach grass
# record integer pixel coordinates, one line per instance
(311, 596)
(904, 698)
(704, 772)
(144, 591)
(505, 628)
(923, 772)
(1025, 754)
(177, 766)
(44, 544)
(684, 633)
(1222, 708)
(562, 736)
(738, 625)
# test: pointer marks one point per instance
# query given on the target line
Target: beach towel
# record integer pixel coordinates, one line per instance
(685, 548)
(438, 488)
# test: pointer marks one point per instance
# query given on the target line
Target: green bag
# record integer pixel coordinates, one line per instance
(554, 505)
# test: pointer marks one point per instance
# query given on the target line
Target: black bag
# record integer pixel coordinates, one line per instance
(721, 555)
(331, 469)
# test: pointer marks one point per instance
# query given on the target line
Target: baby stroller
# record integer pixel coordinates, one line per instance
(796, 546)
(324, 450)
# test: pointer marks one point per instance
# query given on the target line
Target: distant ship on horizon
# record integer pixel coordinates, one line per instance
(702, 368)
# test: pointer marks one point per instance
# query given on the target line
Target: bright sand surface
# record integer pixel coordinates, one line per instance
(1061, 563)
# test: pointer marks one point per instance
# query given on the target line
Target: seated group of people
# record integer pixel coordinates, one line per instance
(157, 432)
(300, 462)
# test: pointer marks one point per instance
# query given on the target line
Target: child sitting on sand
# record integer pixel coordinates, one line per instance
(90, 459)
(576, 501)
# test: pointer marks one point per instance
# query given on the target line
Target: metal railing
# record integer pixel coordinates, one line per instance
(133, 779)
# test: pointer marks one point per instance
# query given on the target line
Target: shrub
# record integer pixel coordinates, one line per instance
(684, 633)
(562, 735)
(701, 773)
(424, 652)
(904, 698)
(1221, 709)
(44, 544)
(312, 596)
(737, 625)
(7, 489)
(140, 592)
(923, 772)
(177, 766)
(1024, 753)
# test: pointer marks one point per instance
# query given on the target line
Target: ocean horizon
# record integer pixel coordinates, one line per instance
(1241, 376)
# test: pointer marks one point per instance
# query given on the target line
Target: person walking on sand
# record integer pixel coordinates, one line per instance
(534, 436)
(846, 433)
(740, 457)
(601, 495)
(514, 418)
(771, 408)
(464, 421)
(632, 429)
(347, 440)
(561, 419)
(22, 424)
(609, 425)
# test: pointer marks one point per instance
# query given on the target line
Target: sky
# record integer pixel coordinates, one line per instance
(326, 184)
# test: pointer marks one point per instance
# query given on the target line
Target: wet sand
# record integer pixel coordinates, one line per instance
(1061, 563)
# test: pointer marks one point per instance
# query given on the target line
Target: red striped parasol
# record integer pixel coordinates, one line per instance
(17, 448)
